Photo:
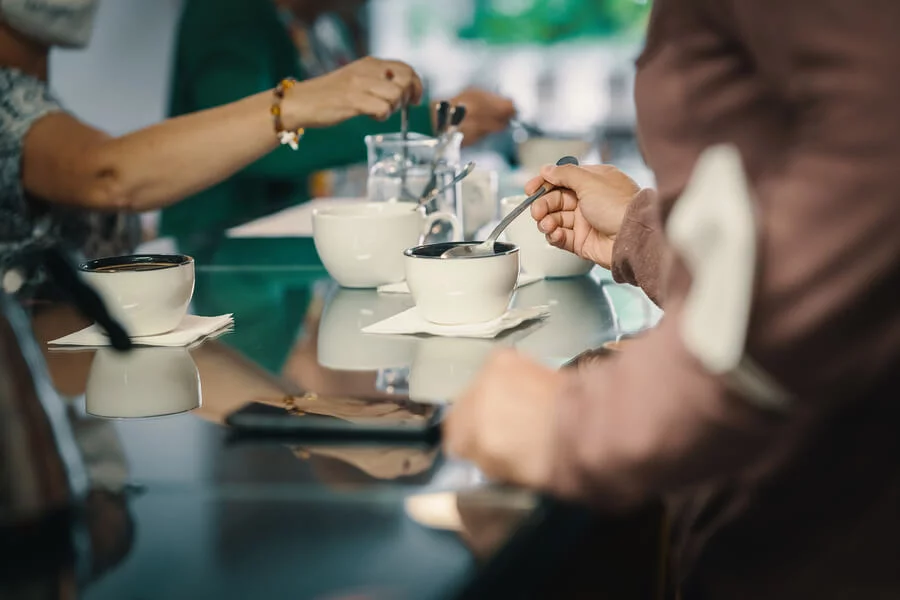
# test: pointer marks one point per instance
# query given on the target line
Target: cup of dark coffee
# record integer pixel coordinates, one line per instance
(148, 293)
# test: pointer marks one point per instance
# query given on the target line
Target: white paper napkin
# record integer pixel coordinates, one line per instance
(192, 328)
(402, 288)
(411, 322)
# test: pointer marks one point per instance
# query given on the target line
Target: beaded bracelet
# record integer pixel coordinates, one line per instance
(285, 136)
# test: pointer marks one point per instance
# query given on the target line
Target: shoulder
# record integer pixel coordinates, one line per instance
(23, 100)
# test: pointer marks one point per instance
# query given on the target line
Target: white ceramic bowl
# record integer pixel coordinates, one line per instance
(148, 294)
(361, 244)
(458, 291)
(537, 255)
(341, 344)
(143, 382)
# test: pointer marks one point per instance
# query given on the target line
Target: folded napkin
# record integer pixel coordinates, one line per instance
(192, 328)
(411, 322)
(402, 288)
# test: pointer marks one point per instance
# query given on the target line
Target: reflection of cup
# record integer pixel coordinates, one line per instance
(537, 255)
(443, 367)
(148, 294)
(456, 291)
(143, 382)
(343, 347)
(580, 318)
(362, 244)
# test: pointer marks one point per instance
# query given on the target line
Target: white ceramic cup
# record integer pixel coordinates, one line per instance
(459, 291)
(361, 244)
(148, 294)
(143, 382)
(342, 345)
(537, 255)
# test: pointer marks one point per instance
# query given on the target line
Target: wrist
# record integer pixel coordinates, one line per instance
(296, 112)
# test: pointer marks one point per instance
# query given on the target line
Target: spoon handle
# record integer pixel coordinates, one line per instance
(566, 160)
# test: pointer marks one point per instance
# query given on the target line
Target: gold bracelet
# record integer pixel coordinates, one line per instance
(285, 136)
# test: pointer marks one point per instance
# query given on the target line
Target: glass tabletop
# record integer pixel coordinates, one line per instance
(265, 506)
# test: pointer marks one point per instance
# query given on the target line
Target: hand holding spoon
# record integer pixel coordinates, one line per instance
(486, 247)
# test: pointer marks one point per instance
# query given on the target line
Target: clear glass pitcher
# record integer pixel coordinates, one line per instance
(401, 170)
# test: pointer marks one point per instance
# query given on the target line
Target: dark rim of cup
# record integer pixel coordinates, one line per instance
(434, 251)
(168, 260)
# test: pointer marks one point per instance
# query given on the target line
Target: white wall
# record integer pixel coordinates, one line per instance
(121, 81)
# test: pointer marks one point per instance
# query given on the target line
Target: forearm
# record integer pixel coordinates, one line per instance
(67, 162)
(164, 163)
(640, 250)
(648, 421)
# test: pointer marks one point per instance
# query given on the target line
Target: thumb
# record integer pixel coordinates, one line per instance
(573, 177)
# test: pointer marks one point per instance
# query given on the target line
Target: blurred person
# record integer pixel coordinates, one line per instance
(796, 502)
(62, 181)
(230, 48)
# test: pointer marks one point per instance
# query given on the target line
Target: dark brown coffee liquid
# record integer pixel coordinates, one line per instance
(145, 266)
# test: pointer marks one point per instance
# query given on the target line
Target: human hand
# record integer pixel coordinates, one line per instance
(486, 113)
(505, 423)
(369, 86)
(585, 214)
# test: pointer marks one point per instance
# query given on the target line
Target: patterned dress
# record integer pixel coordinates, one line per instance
(28, 224)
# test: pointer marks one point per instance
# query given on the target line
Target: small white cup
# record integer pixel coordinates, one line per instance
(143, 382)
(457, 291)
(148, 294)
(342, 345)
(537, 255)
(361, 244)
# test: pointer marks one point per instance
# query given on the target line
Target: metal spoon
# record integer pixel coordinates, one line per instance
(486, 247)
(435, 192)
(404, 140)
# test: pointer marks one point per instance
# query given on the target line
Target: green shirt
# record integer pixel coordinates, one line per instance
(227, 50)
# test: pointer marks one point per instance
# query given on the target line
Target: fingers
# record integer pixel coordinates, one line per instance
(373, 106)
(562, 238)
(533, 184)
(404, 76)
(568, 176)
(557, 219)
(389, 91)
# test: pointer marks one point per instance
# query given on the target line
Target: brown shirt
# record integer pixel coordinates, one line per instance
(798, 505)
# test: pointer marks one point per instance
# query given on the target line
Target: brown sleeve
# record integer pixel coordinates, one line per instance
(640, 246)
(825, 321)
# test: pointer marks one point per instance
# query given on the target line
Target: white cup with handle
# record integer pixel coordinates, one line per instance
(361, 244)
(537, 255)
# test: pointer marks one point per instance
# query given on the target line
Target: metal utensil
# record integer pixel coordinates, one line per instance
(486, 247)
(404, 137)
(529, 129)
(456, 119)
(443, 117)
(445, 131)
(436, 191)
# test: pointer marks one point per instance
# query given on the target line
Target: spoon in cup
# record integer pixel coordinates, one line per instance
(486, 247)
(436, 191)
